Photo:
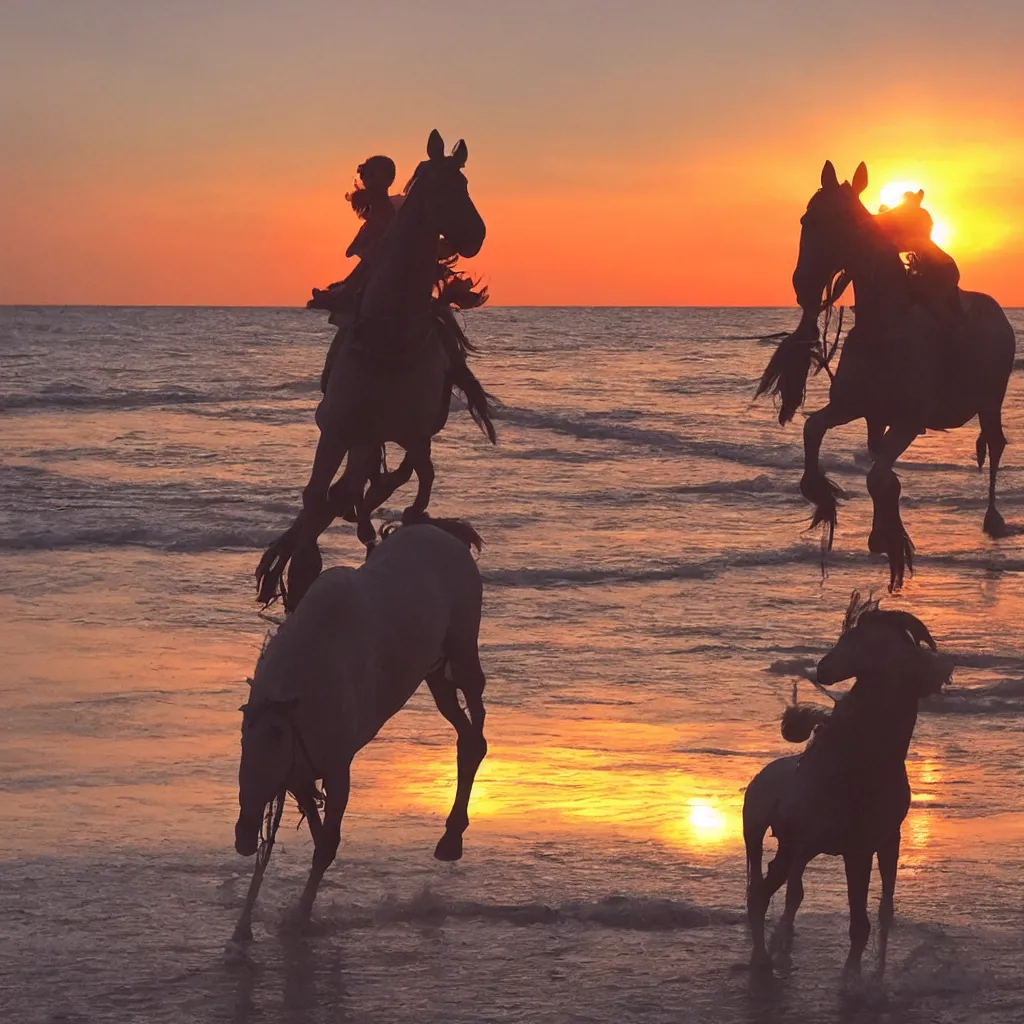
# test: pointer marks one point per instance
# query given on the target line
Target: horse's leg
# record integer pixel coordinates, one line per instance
(783, 937)
(992, 437)
(888, 859)
(472, 747)
(306, 799)
(380, 489)
(325, 848)
(330, 451)
(346, 493)
(814, 485)
(424, 467)
(275, 559)
(758, 898)
(858, 877)
(304, 566)
(875, 432)
(888, 534)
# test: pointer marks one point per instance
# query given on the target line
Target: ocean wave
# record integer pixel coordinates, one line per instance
(791, 666)
(586, 427)
(73, 397)
(1000, 698)
(179, 541)
(614, 911)
(568, 576)
(760, 484)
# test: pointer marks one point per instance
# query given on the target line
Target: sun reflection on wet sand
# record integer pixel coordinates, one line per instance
(601, 778)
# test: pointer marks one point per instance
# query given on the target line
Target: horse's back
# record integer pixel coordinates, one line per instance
(423, 569)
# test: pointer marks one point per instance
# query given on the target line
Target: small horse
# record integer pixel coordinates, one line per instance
(847, 793)
(347, 660)
(392, 378)
(901, 369)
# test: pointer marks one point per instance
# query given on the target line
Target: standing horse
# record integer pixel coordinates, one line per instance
(392, 378)
(347, 660)
(848, 793)
(901, 369)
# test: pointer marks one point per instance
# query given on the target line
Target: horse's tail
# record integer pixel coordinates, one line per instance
(465, 381)
(800, 720)
(785, 376)
(456, 345)
(460, 529)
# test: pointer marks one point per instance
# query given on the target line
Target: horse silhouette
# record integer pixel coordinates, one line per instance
(848, 793)
(344, 663)
(391, 379)
(903, 369)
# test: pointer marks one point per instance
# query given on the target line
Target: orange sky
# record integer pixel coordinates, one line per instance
(649, 153)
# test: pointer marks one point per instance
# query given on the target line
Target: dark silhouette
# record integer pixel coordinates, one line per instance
(373, 204)
(904, 368)
(934, 275)
(847, 793)
(346, 661)
(393, 373)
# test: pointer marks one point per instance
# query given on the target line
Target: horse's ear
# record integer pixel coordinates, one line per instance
(860, 179)
(460, 153)
(829, 179)
(919, 196)
(435, 146)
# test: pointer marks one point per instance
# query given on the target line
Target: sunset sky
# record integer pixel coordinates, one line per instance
(651, 153)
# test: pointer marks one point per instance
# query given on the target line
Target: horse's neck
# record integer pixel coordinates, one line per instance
(401, 278)
(879, 279)
(869, 732)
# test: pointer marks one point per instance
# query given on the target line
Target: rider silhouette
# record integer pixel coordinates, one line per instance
(373, 204)
(909, 227)
(376, 207)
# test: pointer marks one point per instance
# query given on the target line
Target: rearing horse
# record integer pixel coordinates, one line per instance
(391, 379)
(902, 369)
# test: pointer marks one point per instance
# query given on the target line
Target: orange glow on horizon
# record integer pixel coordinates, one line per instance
(205, 161)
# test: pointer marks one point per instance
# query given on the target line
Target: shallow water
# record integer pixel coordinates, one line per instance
(650, 598)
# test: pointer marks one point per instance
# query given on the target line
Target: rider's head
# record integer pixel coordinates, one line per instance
(377, 174)
(909, 224)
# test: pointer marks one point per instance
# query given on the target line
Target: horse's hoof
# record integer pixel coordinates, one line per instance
(761, 963)
(995, 526)
(242, 932)
(449, 847)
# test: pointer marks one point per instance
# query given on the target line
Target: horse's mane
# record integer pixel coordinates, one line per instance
(857, 607)
(868, 610)
(460, 529)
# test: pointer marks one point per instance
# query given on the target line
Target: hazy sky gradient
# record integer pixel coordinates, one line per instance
(651, 153)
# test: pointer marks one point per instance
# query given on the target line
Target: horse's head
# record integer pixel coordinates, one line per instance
(439, 188)
(268, 758)
(833, 220)
(893, 645)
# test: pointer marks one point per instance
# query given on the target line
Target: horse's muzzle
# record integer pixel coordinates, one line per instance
(247, 838)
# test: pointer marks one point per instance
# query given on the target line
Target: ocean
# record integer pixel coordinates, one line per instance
(650, 597)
